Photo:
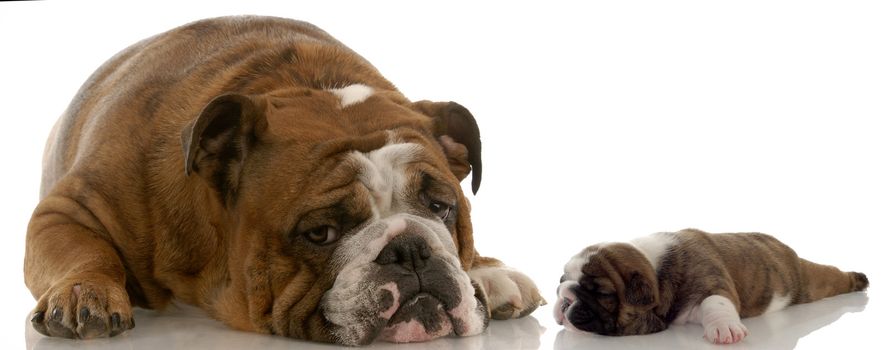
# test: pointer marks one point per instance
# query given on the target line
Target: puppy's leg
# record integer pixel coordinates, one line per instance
(821, 281)
(721, 320)
(75, 273)
(509, 293)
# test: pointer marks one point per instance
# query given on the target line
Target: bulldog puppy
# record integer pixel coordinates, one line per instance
(257, 168)
(691, 276)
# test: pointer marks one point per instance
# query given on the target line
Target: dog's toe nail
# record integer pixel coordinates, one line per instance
(119, 325)
(57, 314)
(503, 312)
(39, 316)
(115, 321)
(84, 314)
(56, 328)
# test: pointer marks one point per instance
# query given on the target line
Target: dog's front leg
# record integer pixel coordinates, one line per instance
(74, 272)
(509, 293)
(721, 320)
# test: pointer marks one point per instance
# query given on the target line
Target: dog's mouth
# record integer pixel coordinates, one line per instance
(398, 292)
(565, 299)
(421, 318)
(392, 314)
(565, 304)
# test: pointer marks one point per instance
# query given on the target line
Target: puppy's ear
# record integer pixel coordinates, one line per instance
(644, 323)
(216, 142)
(457, 132)
(639, 290)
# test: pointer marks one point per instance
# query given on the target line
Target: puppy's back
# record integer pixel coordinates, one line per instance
(767, 274)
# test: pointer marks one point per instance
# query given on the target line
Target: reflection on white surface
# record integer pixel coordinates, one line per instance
(188, 328)
(776, 330)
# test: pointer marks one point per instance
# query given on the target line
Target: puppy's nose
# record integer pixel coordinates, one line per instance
(408, 250)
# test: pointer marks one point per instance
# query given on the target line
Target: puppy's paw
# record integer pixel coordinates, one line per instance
(725, 331)
(509, 293)
(83, 309)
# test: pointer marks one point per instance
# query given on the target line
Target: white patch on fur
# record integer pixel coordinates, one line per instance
(654, 246)
(721, 321)
(413, 331)
(384, 173)
(465, 311)
(689, 315)
(498, 287)
(778, 302)
(392, 288)
(506, 286)
(352, 94)
(572, 269)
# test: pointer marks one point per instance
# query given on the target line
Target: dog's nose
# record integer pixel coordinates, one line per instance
(408, 250)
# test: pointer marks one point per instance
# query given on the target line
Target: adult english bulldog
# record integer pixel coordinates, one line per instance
(257, 168)
(667, 278)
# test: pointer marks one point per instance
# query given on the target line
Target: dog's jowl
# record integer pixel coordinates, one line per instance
(667, 278)
(257, 168)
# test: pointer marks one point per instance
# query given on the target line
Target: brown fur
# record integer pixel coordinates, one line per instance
(121, 223)
(748, 268)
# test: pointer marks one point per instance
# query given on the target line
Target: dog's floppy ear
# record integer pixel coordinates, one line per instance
(639, 290)
(457, 132)
(216, 142)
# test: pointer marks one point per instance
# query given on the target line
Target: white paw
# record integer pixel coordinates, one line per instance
(509, 293)
(725, 331)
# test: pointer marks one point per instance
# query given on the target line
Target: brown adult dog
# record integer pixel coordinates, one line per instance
(257, 168)
(690, 276)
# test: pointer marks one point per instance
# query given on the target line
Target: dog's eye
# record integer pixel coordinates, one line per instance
(442, 210)
(322, 235)
(606, 292)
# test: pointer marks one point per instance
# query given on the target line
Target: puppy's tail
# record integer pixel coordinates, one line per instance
(821, 281)
(858, 281)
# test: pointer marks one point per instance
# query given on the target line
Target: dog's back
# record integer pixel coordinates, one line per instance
(762, 273)
(149, 91)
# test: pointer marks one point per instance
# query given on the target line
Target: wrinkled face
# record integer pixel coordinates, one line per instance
(399, 274)
(360, 239)
(608, 289)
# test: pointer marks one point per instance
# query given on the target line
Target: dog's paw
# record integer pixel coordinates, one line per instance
(83, 309)
(509, 293)
(725, 331)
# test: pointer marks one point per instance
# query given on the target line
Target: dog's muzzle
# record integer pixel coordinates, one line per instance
(402, 283)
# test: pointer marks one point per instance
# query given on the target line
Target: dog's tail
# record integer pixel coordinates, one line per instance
(859, 281)
(821, 281)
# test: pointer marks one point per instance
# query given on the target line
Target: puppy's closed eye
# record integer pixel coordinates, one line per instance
(606, 291)
(600, 291)
(601, 285)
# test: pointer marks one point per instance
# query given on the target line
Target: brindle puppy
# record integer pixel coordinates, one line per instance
(644, 286)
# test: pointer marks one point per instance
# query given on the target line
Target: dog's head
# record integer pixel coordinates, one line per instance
(344, 212)
(609, 289)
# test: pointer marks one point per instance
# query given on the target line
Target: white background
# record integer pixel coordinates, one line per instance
(600, 121)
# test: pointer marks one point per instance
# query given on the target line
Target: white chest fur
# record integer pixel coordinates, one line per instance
(654, 246)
